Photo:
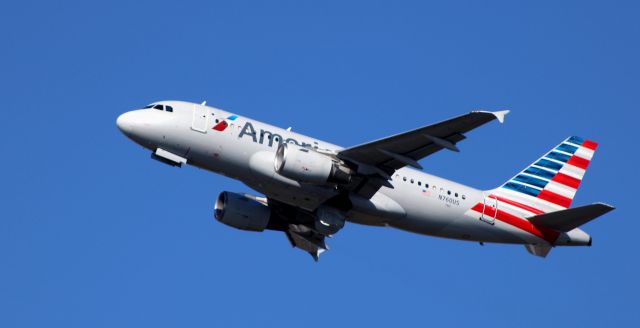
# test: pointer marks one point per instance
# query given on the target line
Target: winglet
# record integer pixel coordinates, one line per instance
(500, 115)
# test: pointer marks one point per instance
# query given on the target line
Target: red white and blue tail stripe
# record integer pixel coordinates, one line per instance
(551, 182)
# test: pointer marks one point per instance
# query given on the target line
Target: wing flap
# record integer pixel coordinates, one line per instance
(304, 238)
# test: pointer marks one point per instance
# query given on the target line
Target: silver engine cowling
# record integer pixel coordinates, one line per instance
(242, 211)
(307, 165)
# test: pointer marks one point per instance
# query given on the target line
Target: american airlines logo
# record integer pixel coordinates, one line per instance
(222, 125)
(250, 131)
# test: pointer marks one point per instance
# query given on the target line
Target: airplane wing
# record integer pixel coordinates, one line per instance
(386, 155)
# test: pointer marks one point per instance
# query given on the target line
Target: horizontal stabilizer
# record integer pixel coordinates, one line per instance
(538, 250)
(569, 219)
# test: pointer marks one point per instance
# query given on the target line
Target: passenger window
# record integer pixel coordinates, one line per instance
(448, 192)
(419, 183)
(158, 107)
(169, 109)
(404, 178)
(411, 180)
(464, 197)
(456, 195)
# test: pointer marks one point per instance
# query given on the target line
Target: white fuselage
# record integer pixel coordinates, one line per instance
(245, 149)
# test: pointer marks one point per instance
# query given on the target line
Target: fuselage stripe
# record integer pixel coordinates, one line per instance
(544, 233)
(518, 204)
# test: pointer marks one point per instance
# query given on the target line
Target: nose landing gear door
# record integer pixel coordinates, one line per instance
(489, 209)
(200, 118)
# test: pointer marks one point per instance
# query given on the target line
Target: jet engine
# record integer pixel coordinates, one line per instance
(307, 165)
(242, 211)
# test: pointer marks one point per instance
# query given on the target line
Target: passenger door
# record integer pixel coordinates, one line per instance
(200, 118)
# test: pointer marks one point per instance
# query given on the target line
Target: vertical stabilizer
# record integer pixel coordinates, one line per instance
(551, 182)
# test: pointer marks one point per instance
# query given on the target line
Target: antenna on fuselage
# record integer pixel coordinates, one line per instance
(289, 129)
(204, 103)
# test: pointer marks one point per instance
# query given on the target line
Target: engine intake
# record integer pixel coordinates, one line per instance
(307, 165)
(241, 211)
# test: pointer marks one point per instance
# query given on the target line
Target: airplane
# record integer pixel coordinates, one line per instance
(311, 188)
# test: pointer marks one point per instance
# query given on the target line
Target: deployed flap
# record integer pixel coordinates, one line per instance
(569, 219)
(538, 250)
(306, 239)
(406, 148)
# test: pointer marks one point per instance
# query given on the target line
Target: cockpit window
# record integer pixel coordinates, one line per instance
(160, 107)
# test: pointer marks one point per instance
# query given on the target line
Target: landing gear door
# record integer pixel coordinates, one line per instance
(200, 118)
(489, 209)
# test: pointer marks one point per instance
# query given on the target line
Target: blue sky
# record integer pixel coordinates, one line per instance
(95, 234)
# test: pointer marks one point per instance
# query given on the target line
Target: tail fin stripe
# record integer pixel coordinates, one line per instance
(590, 144)
(522, 188)
(539, 172)
(566, 180)
(579, 162)
(558, 156)
(520, 205)
(527, 199)
(549, 164)
(554, 198)
(531, 180)
(585, 153)
(567, 148)
(573, 171)
(576, 140)
(561, 190)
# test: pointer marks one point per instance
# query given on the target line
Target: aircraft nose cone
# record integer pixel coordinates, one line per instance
(124, 123)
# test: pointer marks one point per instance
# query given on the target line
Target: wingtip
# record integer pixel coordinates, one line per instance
(500, 115)
(609, 207)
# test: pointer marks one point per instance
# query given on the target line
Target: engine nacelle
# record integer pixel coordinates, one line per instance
(307, 165)
(328, 220)
(242, 212)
